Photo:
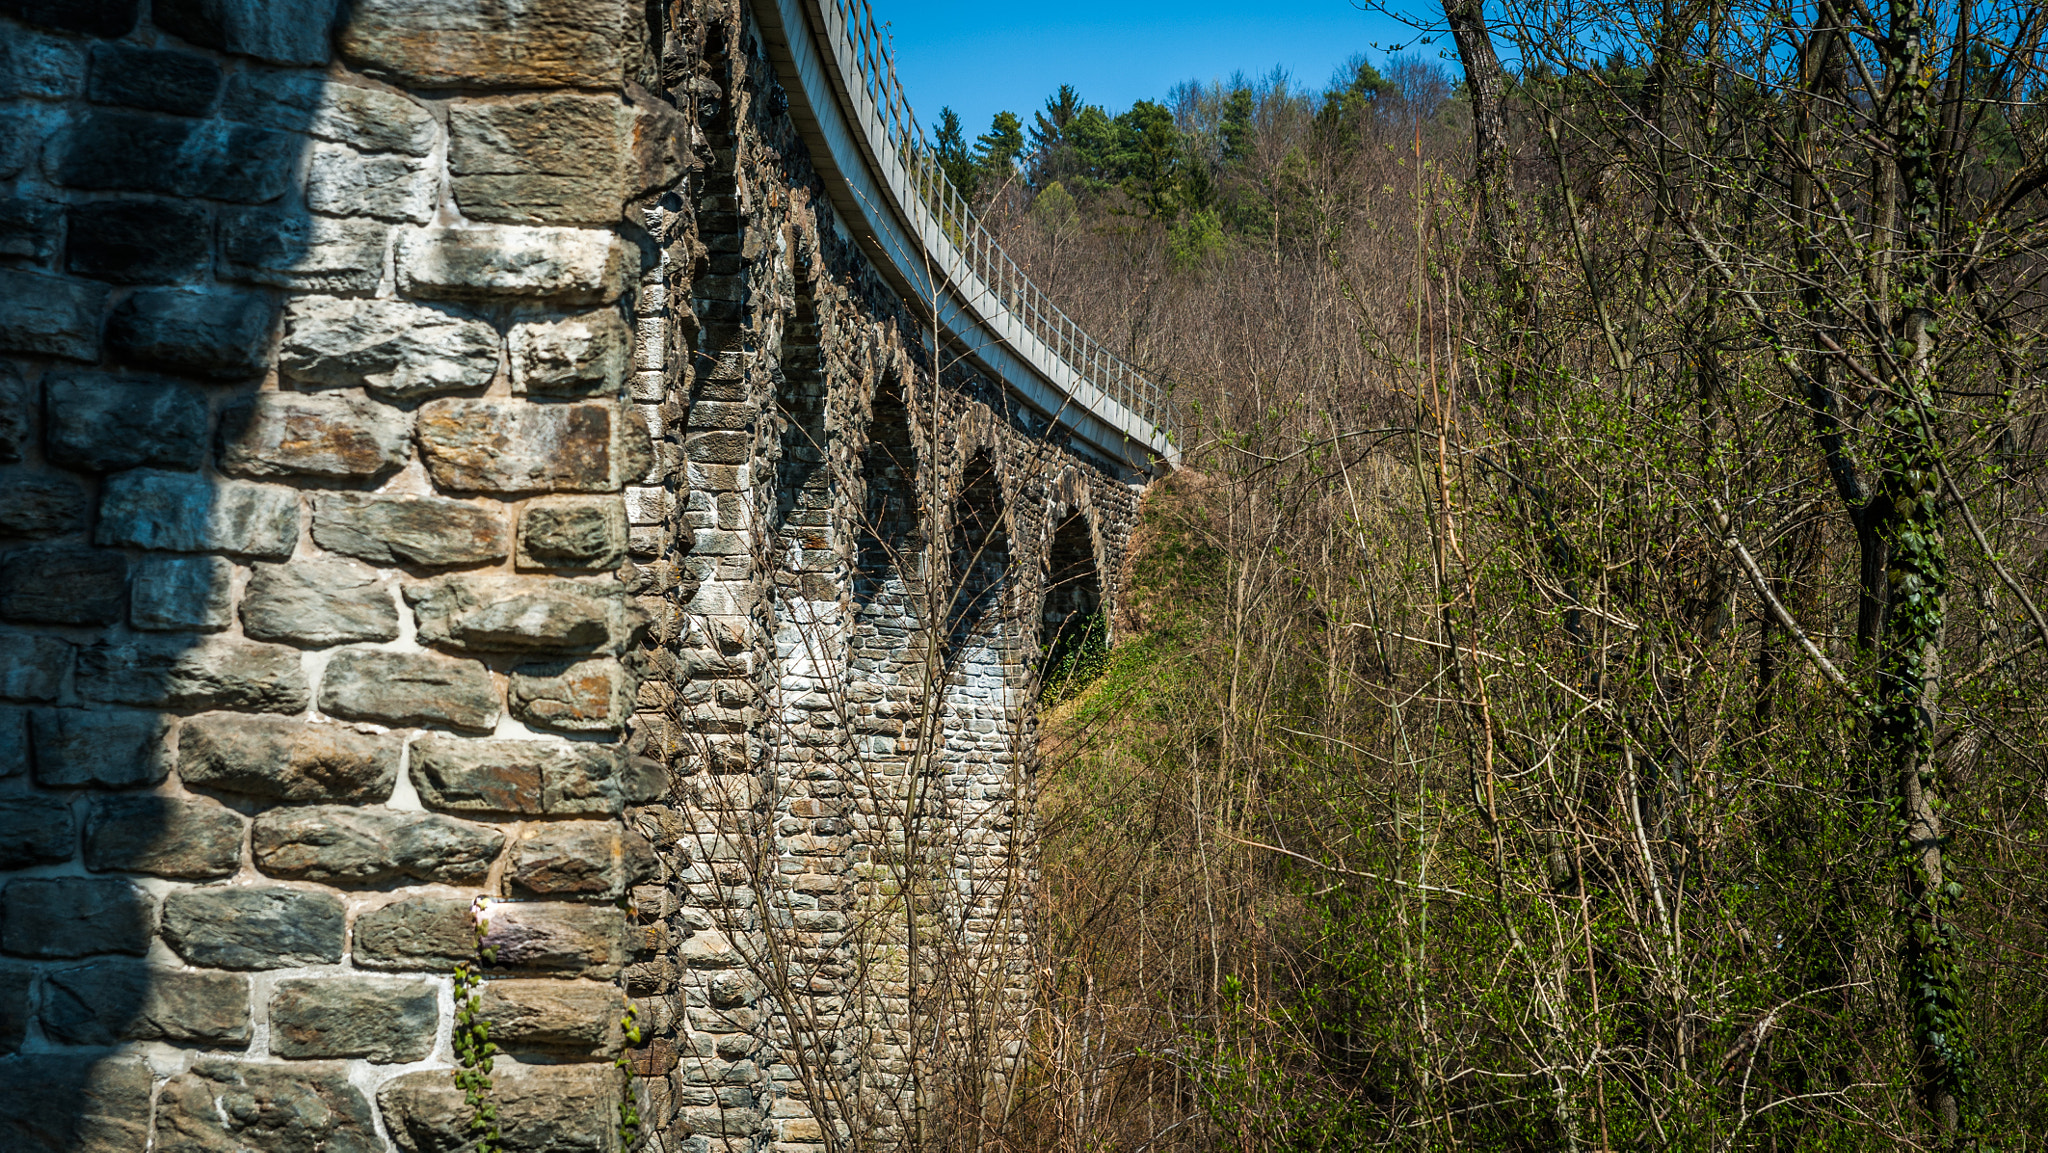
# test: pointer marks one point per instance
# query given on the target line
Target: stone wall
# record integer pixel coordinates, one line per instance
(468, 496)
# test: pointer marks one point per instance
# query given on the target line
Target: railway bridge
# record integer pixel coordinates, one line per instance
(532, 532)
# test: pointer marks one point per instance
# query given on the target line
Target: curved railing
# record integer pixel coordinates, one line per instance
(976, 265)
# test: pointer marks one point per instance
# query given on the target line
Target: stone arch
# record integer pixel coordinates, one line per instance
(888, 535)
(979, 574)
(1071, 618)
(802, 476)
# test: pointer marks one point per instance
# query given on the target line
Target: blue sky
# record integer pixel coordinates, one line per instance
(983, 58)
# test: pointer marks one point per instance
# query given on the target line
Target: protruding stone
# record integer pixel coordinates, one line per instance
(292, 434)
(507, 447)
(393, 348)
(35, 831)
(578, 697)
(376, 1018)
(570, 859)
(254, 927)
(580, 1017)
(75, 748)
(549, 159)
(223, 1106)
(40, 504)
(213, 673)
(344, 182)
(559, 778)
(100, 423)
(106, 1098)
(423, 934)
(307, 253)
(572, 940)
(496, 613)
(63, 584)
(565, 265)
(409, 689)
(159, 81)
(50, 315)
(319, 602)
(178, 512)
(581, 356)
(108, 1002)
(423, 531)
(349, 845)
(54, 917)
(539, 44)
(220, 334)
(369, 119)
(286, 760)
(182, 594)
(571, 533)
(137, 241)
(189, 840)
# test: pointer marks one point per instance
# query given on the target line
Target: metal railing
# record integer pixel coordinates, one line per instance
(975, 247)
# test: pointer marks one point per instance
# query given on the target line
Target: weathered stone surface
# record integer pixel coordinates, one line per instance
(580, 1017)
(146, 78)
(28, 228)
(63, 584)
(579, 697)
(53, 917)
(191, 840)
(43, 67)
(100, 423)
(179, 512)
(573, 940)
(409, 689)
(14, 1008)
(565, 265)
(541, 1109)
(40, 504)
(225, 1106)
(279, 31)
(253, 927)
(489, 612)
(117, 150)
(220, 334)
(395, 349)
(50, 315)
(116, 750)
(502, 44)
(182, 594)
(32, 668)
(286, 759)
(658, 144)
(423, 531)
(429, 934)
(319, 602)
(137, 241)
(35, 831)
(349, 845)
(345, 182)
(368, 119)
(307, 253)
(559, 778)
(377, 1018)
(14, 743)
(106, 1099)
(580, 356)
(213, 673)
(507, 447)
(552, 159)
(17, 424)
(292, 434)
(570, 858)
(570, 533)
(107, 1002)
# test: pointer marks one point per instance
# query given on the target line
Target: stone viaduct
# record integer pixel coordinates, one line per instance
(529, 535)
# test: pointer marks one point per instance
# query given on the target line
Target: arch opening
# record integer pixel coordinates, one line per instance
(1073, 632)
(980, 567)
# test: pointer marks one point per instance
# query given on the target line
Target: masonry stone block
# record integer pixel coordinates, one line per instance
(189, 840)
(568, 266)
(182, 594)
(28, 228)
(50, 315)
(509, 447)
(319, 602)
(427, 532)
(76, 748)
(253, 927)
(344, 182)
(63, 584)
(409, 689)
(377, 1018)
(35, 831)
(223, 1106)
(59, 917)
(349, 845)
(275, 758)
(583, 1018)
(395, 349)
(147, 78)
(107, 1097)
(274, 31)
(558, 778)
(107, 1002)
(549, 159)
(14, 1006)
(14, 743)
(307, 253)
(571, 533)
(490, 612)
(219, 334)
(569, 859)
(17, 417)
(213, 673)
(536, 44)
(584, 355)
(178, 512)
(421, 934)
(279, 434)
(39, 66)
(137, 241)
(120, 150)
(364, 118)
(580, 696)
(99, 423)
(550, 937)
